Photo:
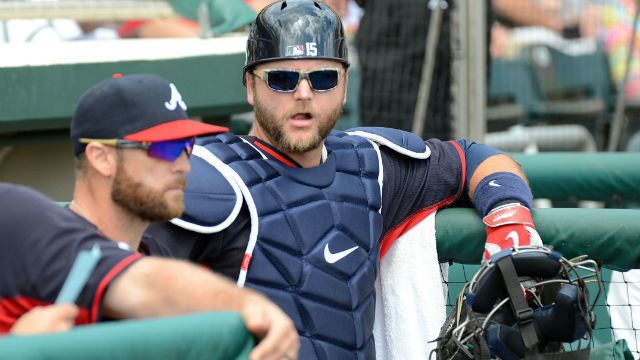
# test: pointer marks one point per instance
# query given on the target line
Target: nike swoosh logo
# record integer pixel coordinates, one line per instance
(332, 258)
(494, 183)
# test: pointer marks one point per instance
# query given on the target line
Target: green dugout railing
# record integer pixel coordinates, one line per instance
(610, 236)
(608, 177)
(219, 335)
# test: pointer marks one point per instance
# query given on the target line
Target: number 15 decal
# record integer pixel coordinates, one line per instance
(312, 50)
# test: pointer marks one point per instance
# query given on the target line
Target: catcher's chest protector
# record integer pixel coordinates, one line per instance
(314, 240)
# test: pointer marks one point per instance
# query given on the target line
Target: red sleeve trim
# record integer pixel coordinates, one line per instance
(106, 280)
(407, 224)
(463, 162)
(412, 220)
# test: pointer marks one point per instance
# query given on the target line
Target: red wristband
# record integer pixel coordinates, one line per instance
(508, 226)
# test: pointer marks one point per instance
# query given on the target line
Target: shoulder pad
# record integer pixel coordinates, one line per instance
(403, 142)
(212, 197)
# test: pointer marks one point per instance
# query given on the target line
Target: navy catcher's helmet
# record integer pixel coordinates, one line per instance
(523, 304)
(296, 29)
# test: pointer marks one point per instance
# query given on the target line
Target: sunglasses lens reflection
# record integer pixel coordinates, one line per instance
(324, 79)
(170, 150)
(287, 80)
(283, 80)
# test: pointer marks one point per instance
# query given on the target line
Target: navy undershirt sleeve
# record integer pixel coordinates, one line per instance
(222, 252)
(414, 184)
(475, 154)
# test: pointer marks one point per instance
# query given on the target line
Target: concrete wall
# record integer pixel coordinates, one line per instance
(47, 168)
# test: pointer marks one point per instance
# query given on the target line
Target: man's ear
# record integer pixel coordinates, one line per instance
(102, 158)
(251, 86)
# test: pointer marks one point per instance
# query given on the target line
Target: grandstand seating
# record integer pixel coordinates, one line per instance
(552, 88)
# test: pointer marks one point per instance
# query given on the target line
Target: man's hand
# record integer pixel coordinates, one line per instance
(509, 225)
(53, 318)
(278, 337)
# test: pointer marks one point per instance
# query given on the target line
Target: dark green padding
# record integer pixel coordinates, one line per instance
(609, 177)
(32, 102)
(612, 351)
(610, 236)
(219, 335)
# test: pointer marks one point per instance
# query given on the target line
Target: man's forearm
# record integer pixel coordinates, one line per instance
(496, 163)
(160, 287)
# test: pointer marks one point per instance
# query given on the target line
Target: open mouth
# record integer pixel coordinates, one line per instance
(301, 116)
(301, 120)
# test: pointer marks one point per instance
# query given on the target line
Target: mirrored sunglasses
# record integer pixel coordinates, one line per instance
(169, 150)
(288, 80)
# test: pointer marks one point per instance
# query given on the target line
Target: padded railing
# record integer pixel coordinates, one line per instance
(216, 335)
(608, 177)
(610, 236)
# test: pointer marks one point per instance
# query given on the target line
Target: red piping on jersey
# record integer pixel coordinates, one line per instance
(412, 220)
(407, 224)
(106, 280)
(11, 309)
(274, 154)
(463, 163)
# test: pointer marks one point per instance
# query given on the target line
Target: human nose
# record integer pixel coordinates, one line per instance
(304, 90)
(182, 164)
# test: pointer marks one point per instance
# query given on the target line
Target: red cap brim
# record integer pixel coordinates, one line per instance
(177, 129)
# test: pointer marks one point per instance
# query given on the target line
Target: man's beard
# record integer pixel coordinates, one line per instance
(141, 201)
(274, 127)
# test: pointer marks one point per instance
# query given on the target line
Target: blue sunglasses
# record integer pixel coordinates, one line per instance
(169, 150)
(288, 80)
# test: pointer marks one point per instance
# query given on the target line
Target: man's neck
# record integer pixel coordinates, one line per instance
(309, 158)
(305, 159)
(112, 220)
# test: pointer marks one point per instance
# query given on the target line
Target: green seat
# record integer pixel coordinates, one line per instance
(576, 89)
(513, 93)
(562, 76)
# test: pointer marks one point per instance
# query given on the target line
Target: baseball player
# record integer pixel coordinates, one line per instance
(306, 214)
(40, 241)
(131, 138)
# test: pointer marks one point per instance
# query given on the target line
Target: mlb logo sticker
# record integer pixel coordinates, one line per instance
(295, 50)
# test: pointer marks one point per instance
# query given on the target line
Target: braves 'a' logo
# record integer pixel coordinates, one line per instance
(176, 99)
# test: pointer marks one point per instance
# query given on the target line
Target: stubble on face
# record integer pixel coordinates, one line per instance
(283, 137)
(143, 201)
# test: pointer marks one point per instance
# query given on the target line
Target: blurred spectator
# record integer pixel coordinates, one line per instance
(51, 30)
(23, 30)
(159, 28)
(224, 16)
(519, 22)
(556, 15)
(611, 22)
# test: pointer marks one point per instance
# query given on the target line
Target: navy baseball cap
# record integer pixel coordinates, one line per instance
(138, 107)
